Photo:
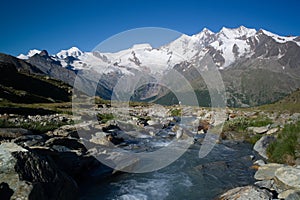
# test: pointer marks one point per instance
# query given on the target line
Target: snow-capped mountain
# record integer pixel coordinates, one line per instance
(225, 47)
(234, 51)
(74, 52)
(30, 54)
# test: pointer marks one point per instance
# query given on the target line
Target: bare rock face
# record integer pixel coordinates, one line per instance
(246, 193)
(26, 175)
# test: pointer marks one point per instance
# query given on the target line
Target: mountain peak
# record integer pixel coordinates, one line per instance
(44, 53)
(29, 54)
(204, 33)
(141, 46)
(239, 32)
(73, 51)
(207, 31)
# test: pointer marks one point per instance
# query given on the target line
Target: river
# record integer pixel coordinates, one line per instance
(227, 166)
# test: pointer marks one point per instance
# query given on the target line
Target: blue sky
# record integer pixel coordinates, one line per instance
(55, 25)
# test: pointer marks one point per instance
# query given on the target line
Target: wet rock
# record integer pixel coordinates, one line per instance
(262, 144)
(246, 193)
(179, 133)
(260, 162)
(267, 172)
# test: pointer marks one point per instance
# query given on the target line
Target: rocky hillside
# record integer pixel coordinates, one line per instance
(21, 82)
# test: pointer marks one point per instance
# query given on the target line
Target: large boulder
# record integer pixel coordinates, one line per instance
(290, 195)
(262, 144)
(290, 176)
(267, 172)
(33, 176)
(246, 193)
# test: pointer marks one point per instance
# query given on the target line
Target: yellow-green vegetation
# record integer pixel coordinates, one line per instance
(99, 100)
(35, 127)
(241, 123)
(252, 139)
(284, 149)
(104, 117)
(64, 108)
(290, 103)
(175, 112)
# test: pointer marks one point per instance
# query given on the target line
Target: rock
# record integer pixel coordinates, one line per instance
(70, 143)
(111, 128)
(100, 138)
(262, 144)
(246, 193)
(203, 125)
(5, 191)
(260, 163)
(267, 172)
(29, 140)
(179, 133)
(66, 131)
(12, 133)
(289, 176)
(152, 122)
(265, 184)
(285, 194)
(258, 130)
(272, 131)
(293, 196)
(47, 181)
(31, 176)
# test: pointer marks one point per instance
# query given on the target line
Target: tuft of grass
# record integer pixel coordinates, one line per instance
(105, 117)
(35, 127)
(252, 139)
(176, 112)
(283, 150)
(240, 124)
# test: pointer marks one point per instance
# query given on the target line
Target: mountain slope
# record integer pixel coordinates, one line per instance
(20, 84)
(242, 54)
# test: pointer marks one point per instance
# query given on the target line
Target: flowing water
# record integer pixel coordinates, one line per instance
(227, 166)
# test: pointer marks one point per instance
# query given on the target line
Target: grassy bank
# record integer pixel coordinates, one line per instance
(286, 148)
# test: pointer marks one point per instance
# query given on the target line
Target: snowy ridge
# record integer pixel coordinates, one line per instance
(73, 51)
(30, 54)
(225, 47)
(281, 39)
